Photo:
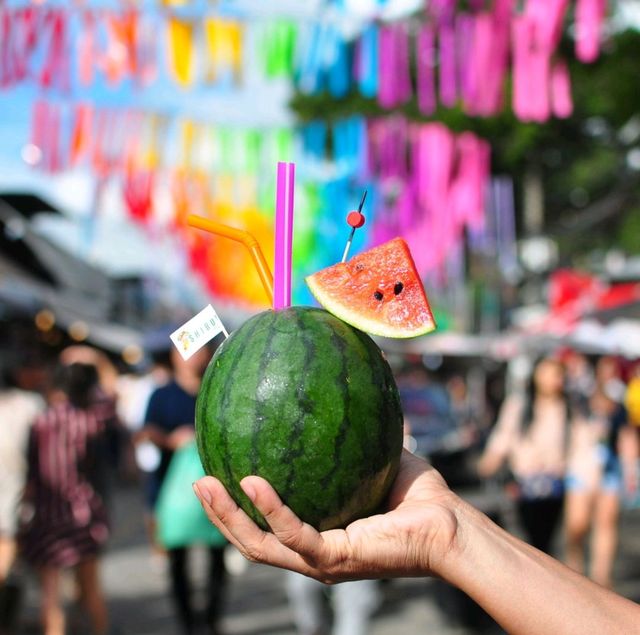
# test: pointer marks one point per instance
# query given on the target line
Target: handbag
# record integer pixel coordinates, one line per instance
(181, 521)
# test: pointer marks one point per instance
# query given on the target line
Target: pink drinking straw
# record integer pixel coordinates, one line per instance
(284, 235)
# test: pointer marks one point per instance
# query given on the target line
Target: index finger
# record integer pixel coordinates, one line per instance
(292, 532)
(254, 543)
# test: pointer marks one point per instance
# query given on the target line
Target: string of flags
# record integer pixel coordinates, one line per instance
(444, 58)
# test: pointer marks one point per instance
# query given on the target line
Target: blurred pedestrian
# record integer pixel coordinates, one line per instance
(580, 378)
(532, 435)
(353, 605)
(170, 425)
(104, 398)
(18, 410)
(602, 464)
(609, 380)
(64, 516)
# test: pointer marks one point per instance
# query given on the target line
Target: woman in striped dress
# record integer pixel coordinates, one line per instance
(64, 512)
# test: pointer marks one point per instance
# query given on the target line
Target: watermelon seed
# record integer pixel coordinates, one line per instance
(359, 267)
(378, 295)
(397, 290)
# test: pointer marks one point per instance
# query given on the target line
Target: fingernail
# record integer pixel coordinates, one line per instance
(248, 489)
(203, 494)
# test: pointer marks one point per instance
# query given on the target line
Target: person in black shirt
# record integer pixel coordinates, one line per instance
(170, 424)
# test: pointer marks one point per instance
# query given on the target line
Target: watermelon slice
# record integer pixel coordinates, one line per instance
(378, 291)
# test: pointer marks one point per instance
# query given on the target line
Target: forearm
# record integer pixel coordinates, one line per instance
(490, 462)
(526, 591)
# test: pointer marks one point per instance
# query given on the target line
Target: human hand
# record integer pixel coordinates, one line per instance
(413, 538)
(180, 436)
(143, 435)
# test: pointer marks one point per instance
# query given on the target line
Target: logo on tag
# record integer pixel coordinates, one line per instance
(199, 330)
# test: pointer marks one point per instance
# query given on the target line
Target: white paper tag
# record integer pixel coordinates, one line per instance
(199, 330)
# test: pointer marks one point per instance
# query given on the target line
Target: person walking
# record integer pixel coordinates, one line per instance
(170, 425)
(64, 521)
(532, 435)
(602, 465)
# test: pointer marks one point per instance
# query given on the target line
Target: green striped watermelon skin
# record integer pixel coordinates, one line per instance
(309, 403)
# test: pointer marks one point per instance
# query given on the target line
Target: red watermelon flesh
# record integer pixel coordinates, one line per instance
(378, 291)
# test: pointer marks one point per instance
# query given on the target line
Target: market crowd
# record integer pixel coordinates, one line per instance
(563, 444)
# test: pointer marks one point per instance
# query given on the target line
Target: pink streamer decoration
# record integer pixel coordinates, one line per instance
(53, 153)
(146, 52)
(403, 71)
(6, 52)
(56, 70)
(284, 235)
(86, 48)
(45, 135)
(548, 18)
(539, 72)
(499, 56)
(561, 100)
(520, 94)
(467, 49)
(386, 95)
(39, 125)
(448, 88)
(425, 63)
(395, 77)
(535, 38)
(137, 191)
(590, 16)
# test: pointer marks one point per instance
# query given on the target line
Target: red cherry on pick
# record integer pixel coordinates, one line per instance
(355, 219)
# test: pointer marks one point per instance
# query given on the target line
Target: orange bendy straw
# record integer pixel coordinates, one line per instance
(241, 236)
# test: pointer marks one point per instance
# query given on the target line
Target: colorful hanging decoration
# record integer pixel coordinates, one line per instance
(424, 182)
(461, 57)
(456, 57)
(180, 43)
(224, 47)
(590, 15)
(55, 72)
(278, 47)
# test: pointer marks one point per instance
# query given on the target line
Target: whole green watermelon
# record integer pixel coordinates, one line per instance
(309, 403)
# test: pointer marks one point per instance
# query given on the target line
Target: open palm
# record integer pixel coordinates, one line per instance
(421, 513)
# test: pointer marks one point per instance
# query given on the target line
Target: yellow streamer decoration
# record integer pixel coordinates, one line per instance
(181, 50)
(224, 45)
(188, 129)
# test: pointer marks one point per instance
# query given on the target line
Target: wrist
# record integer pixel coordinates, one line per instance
(447, 557)
(471, 526)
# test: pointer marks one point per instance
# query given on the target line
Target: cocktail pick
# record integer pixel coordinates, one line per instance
(355, 220)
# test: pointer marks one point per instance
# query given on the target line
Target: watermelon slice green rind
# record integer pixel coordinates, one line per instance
(378, 291)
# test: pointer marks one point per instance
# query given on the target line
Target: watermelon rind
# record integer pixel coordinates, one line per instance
(373, 327)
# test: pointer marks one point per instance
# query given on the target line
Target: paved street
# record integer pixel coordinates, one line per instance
(256, 604)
